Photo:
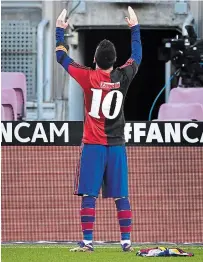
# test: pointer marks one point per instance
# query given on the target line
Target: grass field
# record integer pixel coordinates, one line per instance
(60, 253)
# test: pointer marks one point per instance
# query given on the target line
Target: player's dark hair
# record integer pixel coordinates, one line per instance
(105, 55)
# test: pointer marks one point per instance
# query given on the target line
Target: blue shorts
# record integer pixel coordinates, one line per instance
(102, 167)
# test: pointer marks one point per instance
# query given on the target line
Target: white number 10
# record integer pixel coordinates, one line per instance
(106, 104)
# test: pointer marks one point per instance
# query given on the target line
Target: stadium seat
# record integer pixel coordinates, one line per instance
(173, 120)
(193, 111)
(9, 102)
(2, 113)
(16, 81)
(186, 95)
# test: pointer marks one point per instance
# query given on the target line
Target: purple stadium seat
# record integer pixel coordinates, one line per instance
(2, 113)
(193, 111)
(16, 81)
(9, 102)
(173, 120)
(186, 95)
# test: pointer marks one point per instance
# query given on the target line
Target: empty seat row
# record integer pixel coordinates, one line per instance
(183, 103)
(13, 93)
(193, 111)
(9, 103)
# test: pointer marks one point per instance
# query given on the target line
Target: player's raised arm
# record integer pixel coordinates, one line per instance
(131, 66)
(78, 72)
(136, 46)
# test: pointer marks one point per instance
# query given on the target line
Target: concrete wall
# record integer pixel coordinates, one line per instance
(197, 11)
(110, 14)
(60, 77)
(75, 93)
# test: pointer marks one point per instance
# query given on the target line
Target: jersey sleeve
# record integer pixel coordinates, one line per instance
(78, 72)
(131, 66)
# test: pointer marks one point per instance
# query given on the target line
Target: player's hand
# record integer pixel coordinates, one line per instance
(132, 19)
(60, 22)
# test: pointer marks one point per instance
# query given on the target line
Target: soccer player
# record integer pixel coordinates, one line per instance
(103, 161)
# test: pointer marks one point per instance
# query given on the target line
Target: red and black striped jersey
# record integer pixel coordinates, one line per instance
(104, 93)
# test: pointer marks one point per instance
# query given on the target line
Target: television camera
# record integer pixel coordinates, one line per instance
(186, 55)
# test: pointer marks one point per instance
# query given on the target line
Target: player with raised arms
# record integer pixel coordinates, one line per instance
(103, 161)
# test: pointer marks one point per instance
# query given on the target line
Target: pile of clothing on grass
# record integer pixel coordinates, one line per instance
(163, 252)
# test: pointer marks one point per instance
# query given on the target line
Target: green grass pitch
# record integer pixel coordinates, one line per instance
(51, 253)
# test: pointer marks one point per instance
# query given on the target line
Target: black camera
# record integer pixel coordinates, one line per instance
(186, 54)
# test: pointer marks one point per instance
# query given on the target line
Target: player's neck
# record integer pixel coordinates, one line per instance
(106, 71)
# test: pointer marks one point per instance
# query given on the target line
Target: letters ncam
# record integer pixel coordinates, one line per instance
(11, 131)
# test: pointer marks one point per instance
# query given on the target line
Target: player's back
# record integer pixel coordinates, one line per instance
(104, 92)
(104, 101)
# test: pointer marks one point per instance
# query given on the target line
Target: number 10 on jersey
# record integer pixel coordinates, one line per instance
(106, 104)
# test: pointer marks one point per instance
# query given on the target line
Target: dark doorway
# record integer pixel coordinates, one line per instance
(151, 76)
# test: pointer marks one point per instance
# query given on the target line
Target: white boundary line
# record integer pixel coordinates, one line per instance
(96, 247)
